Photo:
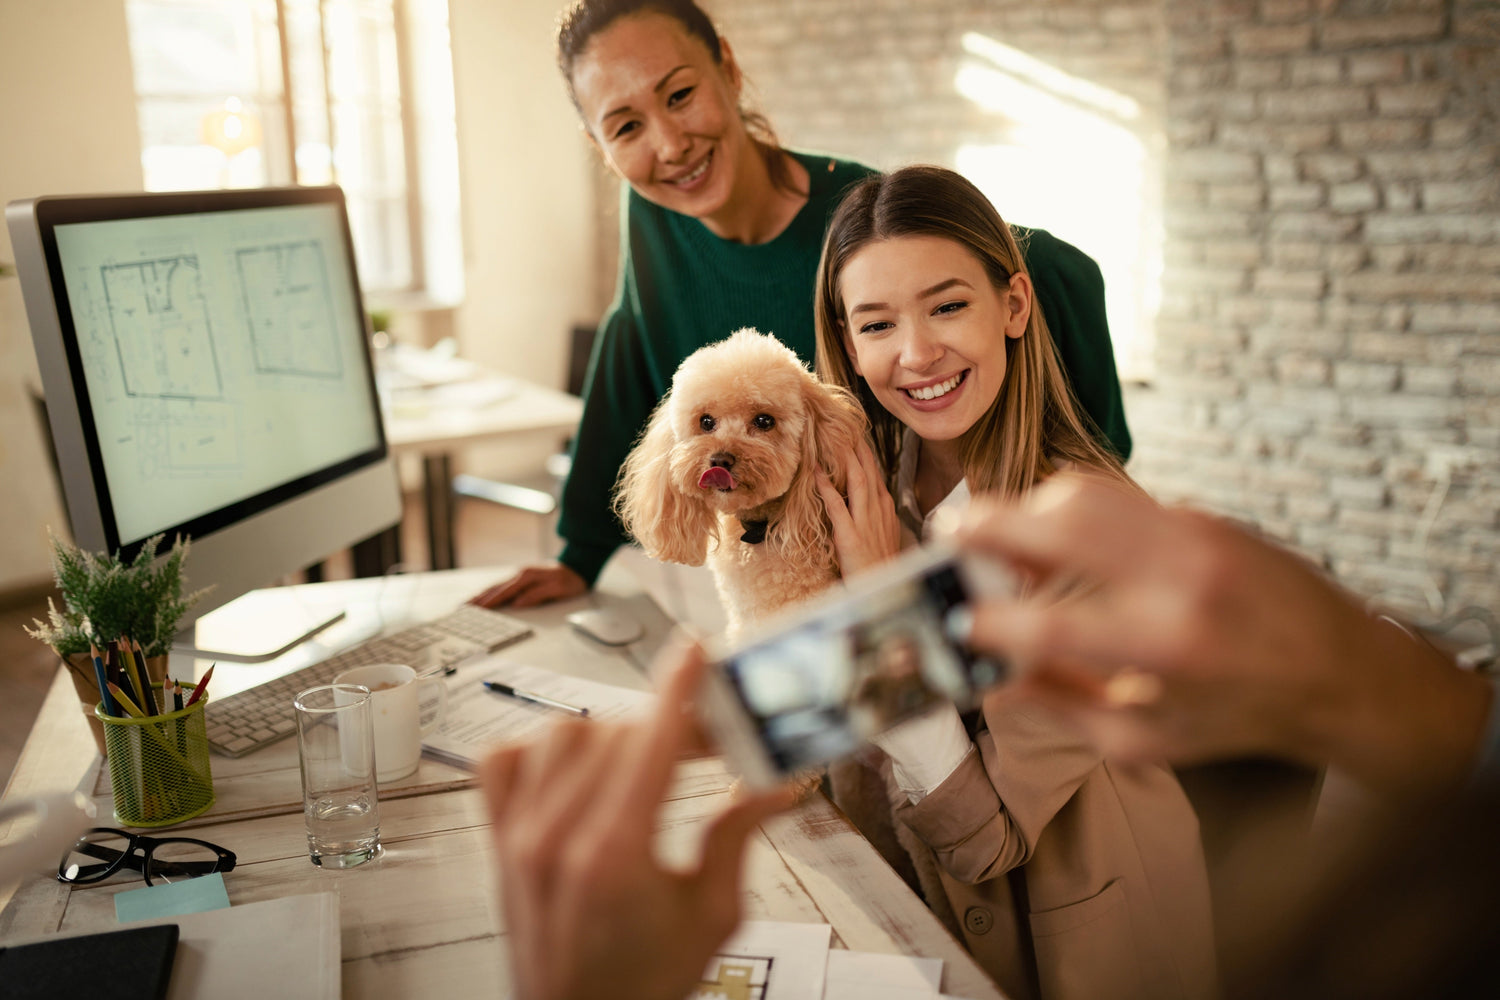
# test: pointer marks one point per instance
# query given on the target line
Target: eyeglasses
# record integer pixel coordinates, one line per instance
(104, 850)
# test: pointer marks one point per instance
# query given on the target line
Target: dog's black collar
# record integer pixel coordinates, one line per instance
(755, 531)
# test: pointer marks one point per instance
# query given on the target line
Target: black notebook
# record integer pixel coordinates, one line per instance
(130, 964)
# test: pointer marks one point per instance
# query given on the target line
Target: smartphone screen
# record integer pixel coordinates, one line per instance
(821, 688)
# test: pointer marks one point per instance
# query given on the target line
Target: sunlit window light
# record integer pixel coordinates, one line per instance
(1070, 157)
(1049, 78)
(249, 93)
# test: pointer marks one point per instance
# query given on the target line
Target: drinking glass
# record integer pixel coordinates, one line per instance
(336, 743)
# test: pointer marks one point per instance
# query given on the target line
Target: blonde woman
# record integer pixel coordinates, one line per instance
(1067, 876)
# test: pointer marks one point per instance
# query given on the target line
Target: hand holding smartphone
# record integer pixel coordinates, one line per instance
(817, 683)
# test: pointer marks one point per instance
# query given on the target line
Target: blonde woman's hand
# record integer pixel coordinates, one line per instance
(866, 531)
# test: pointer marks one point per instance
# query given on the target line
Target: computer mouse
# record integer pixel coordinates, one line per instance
(613, 628)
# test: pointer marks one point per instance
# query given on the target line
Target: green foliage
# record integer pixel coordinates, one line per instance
(104, 599)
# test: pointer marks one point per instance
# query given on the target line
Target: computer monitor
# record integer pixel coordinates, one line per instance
(207, 373)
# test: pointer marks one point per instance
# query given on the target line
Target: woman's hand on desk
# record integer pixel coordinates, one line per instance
(589, 910)
(532, 586)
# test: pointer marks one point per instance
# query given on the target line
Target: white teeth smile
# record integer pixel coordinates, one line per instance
(934, 391)
(697, 173)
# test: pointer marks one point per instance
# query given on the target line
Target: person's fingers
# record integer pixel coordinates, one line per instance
(1076, 523)
(1084, 632)
(495, 596)
(1056, 680)
(835, 504)
(556, 583)
(533, 586)
(866, 485)
(574, 781)
(504, 592)
(544, 758)
(1117, 733)
(497, 777)
(530, 845)
(532, 595)
(858, 486)
(869, 465)
(830, 494)
(673, 726)
(724, 843)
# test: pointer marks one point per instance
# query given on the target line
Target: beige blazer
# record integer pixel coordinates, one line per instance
(1109, 861)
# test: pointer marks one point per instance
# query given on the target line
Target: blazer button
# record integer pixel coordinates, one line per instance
(978, 920)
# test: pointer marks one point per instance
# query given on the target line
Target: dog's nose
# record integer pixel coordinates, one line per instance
(721, 460)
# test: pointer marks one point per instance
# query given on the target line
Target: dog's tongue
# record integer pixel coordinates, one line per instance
(716, 478)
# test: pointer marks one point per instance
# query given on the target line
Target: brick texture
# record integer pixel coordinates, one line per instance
(1377, 388)
(1328, 342)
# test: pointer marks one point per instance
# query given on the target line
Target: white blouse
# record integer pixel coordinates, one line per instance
(924, 751)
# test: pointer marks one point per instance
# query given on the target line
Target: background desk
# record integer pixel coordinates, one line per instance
(434, 404)
(424, 424)
(423, 919)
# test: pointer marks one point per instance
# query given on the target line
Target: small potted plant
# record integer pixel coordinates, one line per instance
(105, 598)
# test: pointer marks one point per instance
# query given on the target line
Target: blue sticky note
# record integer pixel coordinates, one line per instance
(195, 895)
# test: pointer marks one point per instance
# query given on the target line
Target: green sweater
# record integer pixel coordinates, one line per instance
(680, 287)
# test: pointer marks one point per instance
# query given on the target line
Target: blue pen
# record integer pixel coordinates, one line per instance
(110, 707)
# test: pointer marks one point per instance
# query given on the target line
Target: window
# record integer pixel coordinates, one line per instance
(1076, 155)
(251, 93)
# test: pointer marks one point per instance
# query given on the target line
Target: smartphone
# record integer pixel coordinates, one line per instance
(816, 683)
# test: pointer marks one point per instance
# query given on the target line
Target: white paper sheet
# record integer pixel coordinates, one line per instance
(479, 719)
(772, 960)
(288, 948)
(857, 975)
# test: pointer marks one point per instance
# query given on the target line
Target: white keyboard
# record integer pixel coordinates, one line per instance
(247, 720)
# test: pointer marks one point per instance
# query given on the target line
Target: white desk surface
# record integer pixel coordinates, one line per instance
(445, 417)
(423, 920)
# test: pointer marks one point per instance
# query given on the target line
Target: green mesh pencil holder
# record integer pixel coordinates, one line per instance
(158, 766)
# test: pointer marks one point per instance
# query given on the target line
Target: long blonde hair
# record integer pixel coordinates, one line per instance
(1035, 422)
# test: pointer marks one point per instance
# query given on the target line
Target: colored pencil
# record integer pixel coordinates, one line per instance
(201, 686)
(110, 707)
(135, 670)
(125, 701)
(140, 658)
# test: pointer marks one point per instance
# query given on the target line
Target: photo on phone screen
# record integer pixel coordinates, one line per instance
(820, 689)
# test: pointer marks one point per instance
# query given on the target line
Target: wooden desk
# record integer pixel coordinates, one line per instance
(423, 920)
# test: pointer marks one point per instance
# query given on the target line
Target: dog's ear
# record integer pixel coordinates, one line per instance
(835, 424)
(669, 526)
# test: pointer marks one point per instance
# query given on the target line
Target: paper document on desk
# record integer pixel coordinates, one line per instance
(479, 720)
(860, 975)
(288, 947)
(768, 960)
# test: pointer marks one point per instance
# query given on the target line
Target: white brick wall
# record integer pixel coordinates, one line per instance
(1378, 339)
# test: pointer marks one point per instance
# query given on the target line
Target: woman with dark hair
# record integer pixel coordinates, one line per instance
(721, 227)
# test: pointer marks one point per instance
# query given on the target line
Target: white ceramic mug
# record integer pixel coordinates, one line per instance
(396, 712)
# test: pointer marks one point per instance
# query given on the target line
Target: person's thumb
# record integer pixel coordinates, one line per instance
(724, 843)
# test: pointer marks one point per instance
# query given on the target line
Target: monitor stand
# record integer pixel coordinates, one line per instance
(255, 627)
